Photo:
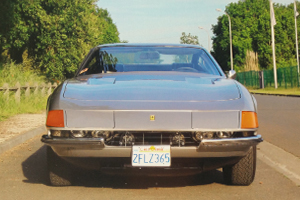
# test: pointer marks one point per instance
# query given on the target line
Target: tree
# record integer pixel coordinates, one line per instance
(56, 34)
(250, 22)
(188, 39)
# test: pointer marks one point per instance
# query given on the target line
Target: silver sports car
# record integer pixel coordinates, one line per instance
(151, 108)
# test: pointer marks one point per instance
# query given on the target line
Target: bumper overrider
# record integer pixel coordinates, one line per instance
(96, 147)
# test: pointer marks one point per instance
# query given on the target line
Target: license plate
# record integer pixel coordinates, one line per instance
(151, 156)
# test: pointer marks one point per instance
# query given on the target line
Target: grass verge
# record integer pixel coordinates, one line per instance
(32, 104)
(11, 73)
(278, 91)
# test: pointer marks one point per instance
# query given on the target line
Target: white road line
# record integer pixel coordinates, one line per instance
(282, 161)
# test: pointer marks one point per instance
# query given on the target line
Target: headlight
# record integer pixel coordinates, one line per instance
(177, 138)
(224, 134)
(198, 136)
(127, 139)
(208, 135)
(104, 134)
(78, 134)
(58, 133)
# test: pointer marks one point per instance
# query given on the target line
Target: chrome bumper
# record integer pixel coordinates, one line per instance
(208, 148)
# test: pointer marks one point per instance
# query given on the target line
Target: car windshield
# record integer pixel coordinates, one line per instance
(127, 59)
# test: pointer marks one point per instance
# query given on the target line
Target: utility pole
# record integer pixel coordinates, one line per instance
(296, 35)
(230, 38)
(273, 23)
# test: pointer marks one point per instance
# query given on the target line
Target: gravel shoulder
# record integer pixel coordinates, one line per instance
(19, 124)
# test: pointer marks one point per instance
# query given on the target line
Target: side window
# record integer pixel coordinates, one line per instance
(92, 66)
(205, 65)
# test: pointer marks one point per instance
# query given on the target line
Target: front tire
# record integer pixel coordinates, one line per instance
(243, 172)
(59, 170)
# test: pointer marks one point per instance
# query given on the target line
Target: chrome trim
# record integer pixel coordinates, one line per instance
(229, 144)
(99, 142)
(156, 130)
(95, 147)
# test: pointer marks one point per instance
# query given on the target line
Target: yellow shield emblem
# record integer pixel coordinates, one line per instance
(152, 117)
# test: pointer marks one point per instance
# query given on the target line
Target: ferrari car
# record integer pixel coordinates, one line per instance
(152, 109)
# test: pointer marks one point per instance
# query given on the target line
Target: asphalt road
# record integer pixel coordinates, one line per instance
(23, 171)
(23, 176)
(279, 121)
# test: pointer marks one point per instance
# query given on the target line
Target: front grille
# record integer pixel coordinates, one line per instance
(153, 138)
(126, 138)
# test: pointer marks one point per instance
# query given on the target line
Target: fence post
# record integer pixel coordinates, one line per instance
(49, 89)
(257, 79)
(6, 93)
(297, 78)
(291, 79)
(285, 77)
(43, 89)
(261, 80)
(55, 85)
(18, 92)
(36, 88)
(279, 77)
(250, 72)
(27, 91)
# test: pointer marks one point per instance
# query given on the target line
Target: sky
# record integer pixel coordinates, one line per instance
(163, 21)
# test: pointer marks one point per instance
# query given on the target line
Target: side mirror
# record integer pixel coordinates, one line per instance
(231, 74)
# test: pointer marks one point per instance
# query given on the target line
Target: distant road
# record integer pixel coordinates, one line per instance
(279, 121)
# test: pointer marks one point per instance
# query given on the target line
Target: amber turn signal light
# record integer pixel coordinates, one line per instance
(55, 118)
(249, 120)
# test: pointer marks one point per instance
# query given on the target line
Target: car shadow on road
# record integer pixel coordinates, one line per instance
(94, 179)
(35, 170)
(35, 167)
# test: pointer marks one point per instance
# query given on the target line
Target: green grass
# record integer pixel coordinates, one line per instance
(278, 91)
(32, 104)
(11, 73)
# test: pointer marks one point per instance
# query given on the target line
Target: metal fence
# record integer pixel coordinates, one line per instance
(286, 78)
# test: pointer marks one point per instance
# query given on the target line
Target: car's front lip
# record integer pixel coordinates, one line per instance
(208, 148)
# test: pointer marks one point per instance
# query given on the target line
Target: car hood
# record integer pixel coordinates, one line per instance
(151, 86)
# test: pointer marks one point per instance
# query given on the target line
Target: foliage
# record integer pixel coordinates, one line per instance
(251, 31)
(186, 39)
(12, 73)
(189, 39)
(56, 34)
(251, 61)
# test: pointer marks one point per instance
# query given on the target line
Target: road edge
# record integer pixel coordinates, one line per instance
(283, 95)
(280, 160)
(15, 141)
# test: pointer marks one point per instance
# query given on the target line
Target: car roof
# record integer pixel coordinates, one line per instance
(149, 45)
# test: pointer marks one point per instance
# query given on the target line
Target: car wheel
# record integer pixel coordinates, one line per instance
(243, 172)
(59, 170)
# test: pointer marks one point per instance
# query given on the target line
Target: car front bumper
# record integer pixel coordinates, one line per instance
(208, 148)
